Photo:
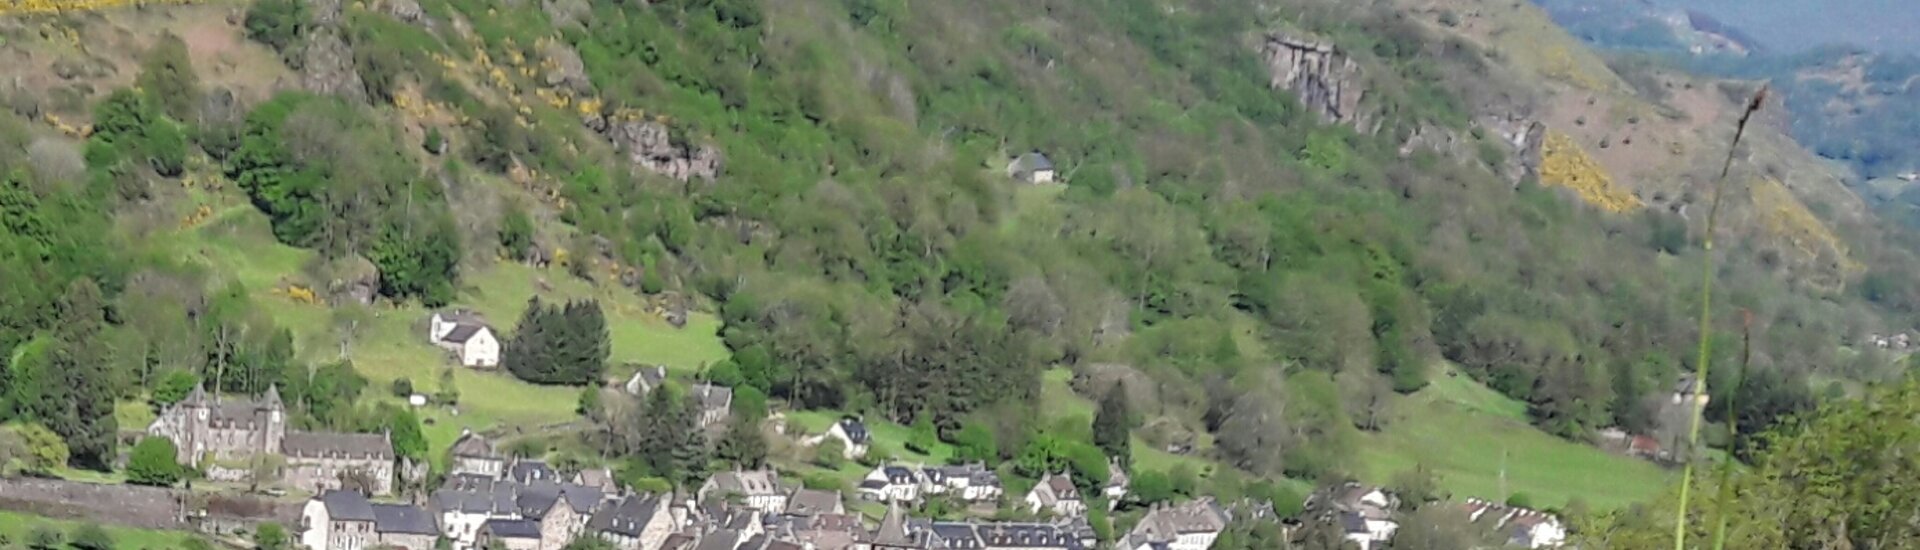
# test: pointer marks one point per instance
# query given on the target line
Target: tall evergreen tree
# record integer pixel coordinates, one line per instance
(1113, 425)
(86, 418)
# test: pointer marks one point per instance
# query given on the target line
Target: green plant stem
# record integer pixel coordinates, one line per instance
(1706, 322)
(1733, 430)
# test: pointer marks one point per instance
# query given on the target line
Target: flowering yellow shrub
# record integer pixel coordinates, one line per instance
(1786, 217)
(1565, 164)
(33, 7)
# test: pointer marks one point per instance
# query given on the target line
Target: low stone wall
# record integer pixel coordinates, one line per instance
(132, 506)
(144, 507)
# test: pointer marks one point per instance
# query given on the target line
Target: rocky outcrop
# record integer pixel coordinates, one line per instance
(649, 145)
(326, 61)
(1326, 82)
(1524, 138)
(565, 69)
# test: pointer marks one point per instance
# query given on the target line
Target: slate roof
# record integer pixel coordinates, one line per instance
(537, 498)
(594, 477)
(898, 475)
(677, 541)
(473, 445)
(404, 519)
(461, 315)
(512, 528)
(474, 494)
(526, 471)
(628, 517)
(856, 430)
(713, 397)
(1169, 522)
(1029, 163)
(893, 529)
(330, 444)
(807, 502)
(1352, 523)
(748, 483)
(724, 539)
(347, 506)
(461, 333)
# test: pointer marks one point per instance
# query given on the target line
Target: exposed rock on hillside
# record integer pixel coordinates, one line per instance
(327, 62)
(1326, 82)
(649, 145)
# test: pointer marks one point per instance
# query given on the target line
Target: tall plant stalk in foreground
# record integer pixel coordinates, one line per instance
(1706, 319)
(1733, 430)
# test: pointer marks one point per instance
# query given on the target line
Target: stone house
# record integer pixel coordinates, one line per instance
(404, 526)
(338, 520)
(1056, 494)
(474, 454)
(1191, 525)
(204, 428)
(317, 461)
(210, 430)
(1033, 167)
(511, 534)
(851, 432)
(637, 522)
(757, 489)
(646, 379)
(1117, 484)
(716, 403)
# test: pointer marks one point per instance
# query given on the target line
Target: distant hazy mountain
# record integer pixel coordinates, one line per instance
(1795, 25)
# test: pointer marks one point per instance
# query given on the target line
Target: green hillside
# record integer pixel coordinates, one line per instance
(1239, 296)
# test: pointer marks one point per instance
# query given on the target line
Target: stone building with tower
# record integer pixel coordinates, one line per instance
(223, 434)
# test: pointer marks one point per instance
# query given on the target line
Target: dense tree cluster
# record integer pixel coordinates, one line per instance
(331, 179)
(559, 344)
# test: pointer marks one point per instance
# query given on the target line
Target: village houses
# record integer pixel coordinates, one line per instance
(466, 335)
(756, 489)
(1365, 514)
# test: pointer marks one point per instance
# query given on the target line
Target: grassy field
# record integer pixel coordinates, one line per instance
(1460, 430)
(16, 527)
(236, 244)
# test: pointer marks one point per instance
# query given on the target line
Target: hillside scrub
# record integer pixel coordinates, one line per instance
(1280, 283)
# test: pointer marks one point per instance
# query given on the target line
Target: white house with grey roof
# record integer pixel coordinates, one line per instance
(716, 403)
(467, 336)
(851, 432)
(646, 379)
(474, 454)
(972, 482)
(891, 482)
(1033, 167)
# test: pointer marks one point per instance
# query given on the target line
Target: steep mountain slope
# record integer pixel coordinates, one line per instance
(1278, 221)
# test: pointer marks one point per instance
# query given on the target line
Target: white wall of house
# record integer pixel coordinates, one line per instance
(1547, 535)
(1041, 176)
(438, 327)
(1193, 541)
(482, 350)
(314, 522)
(461, 527)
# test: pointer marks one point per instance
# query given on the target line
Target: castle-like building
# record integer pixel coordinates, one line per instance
(214, 433)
